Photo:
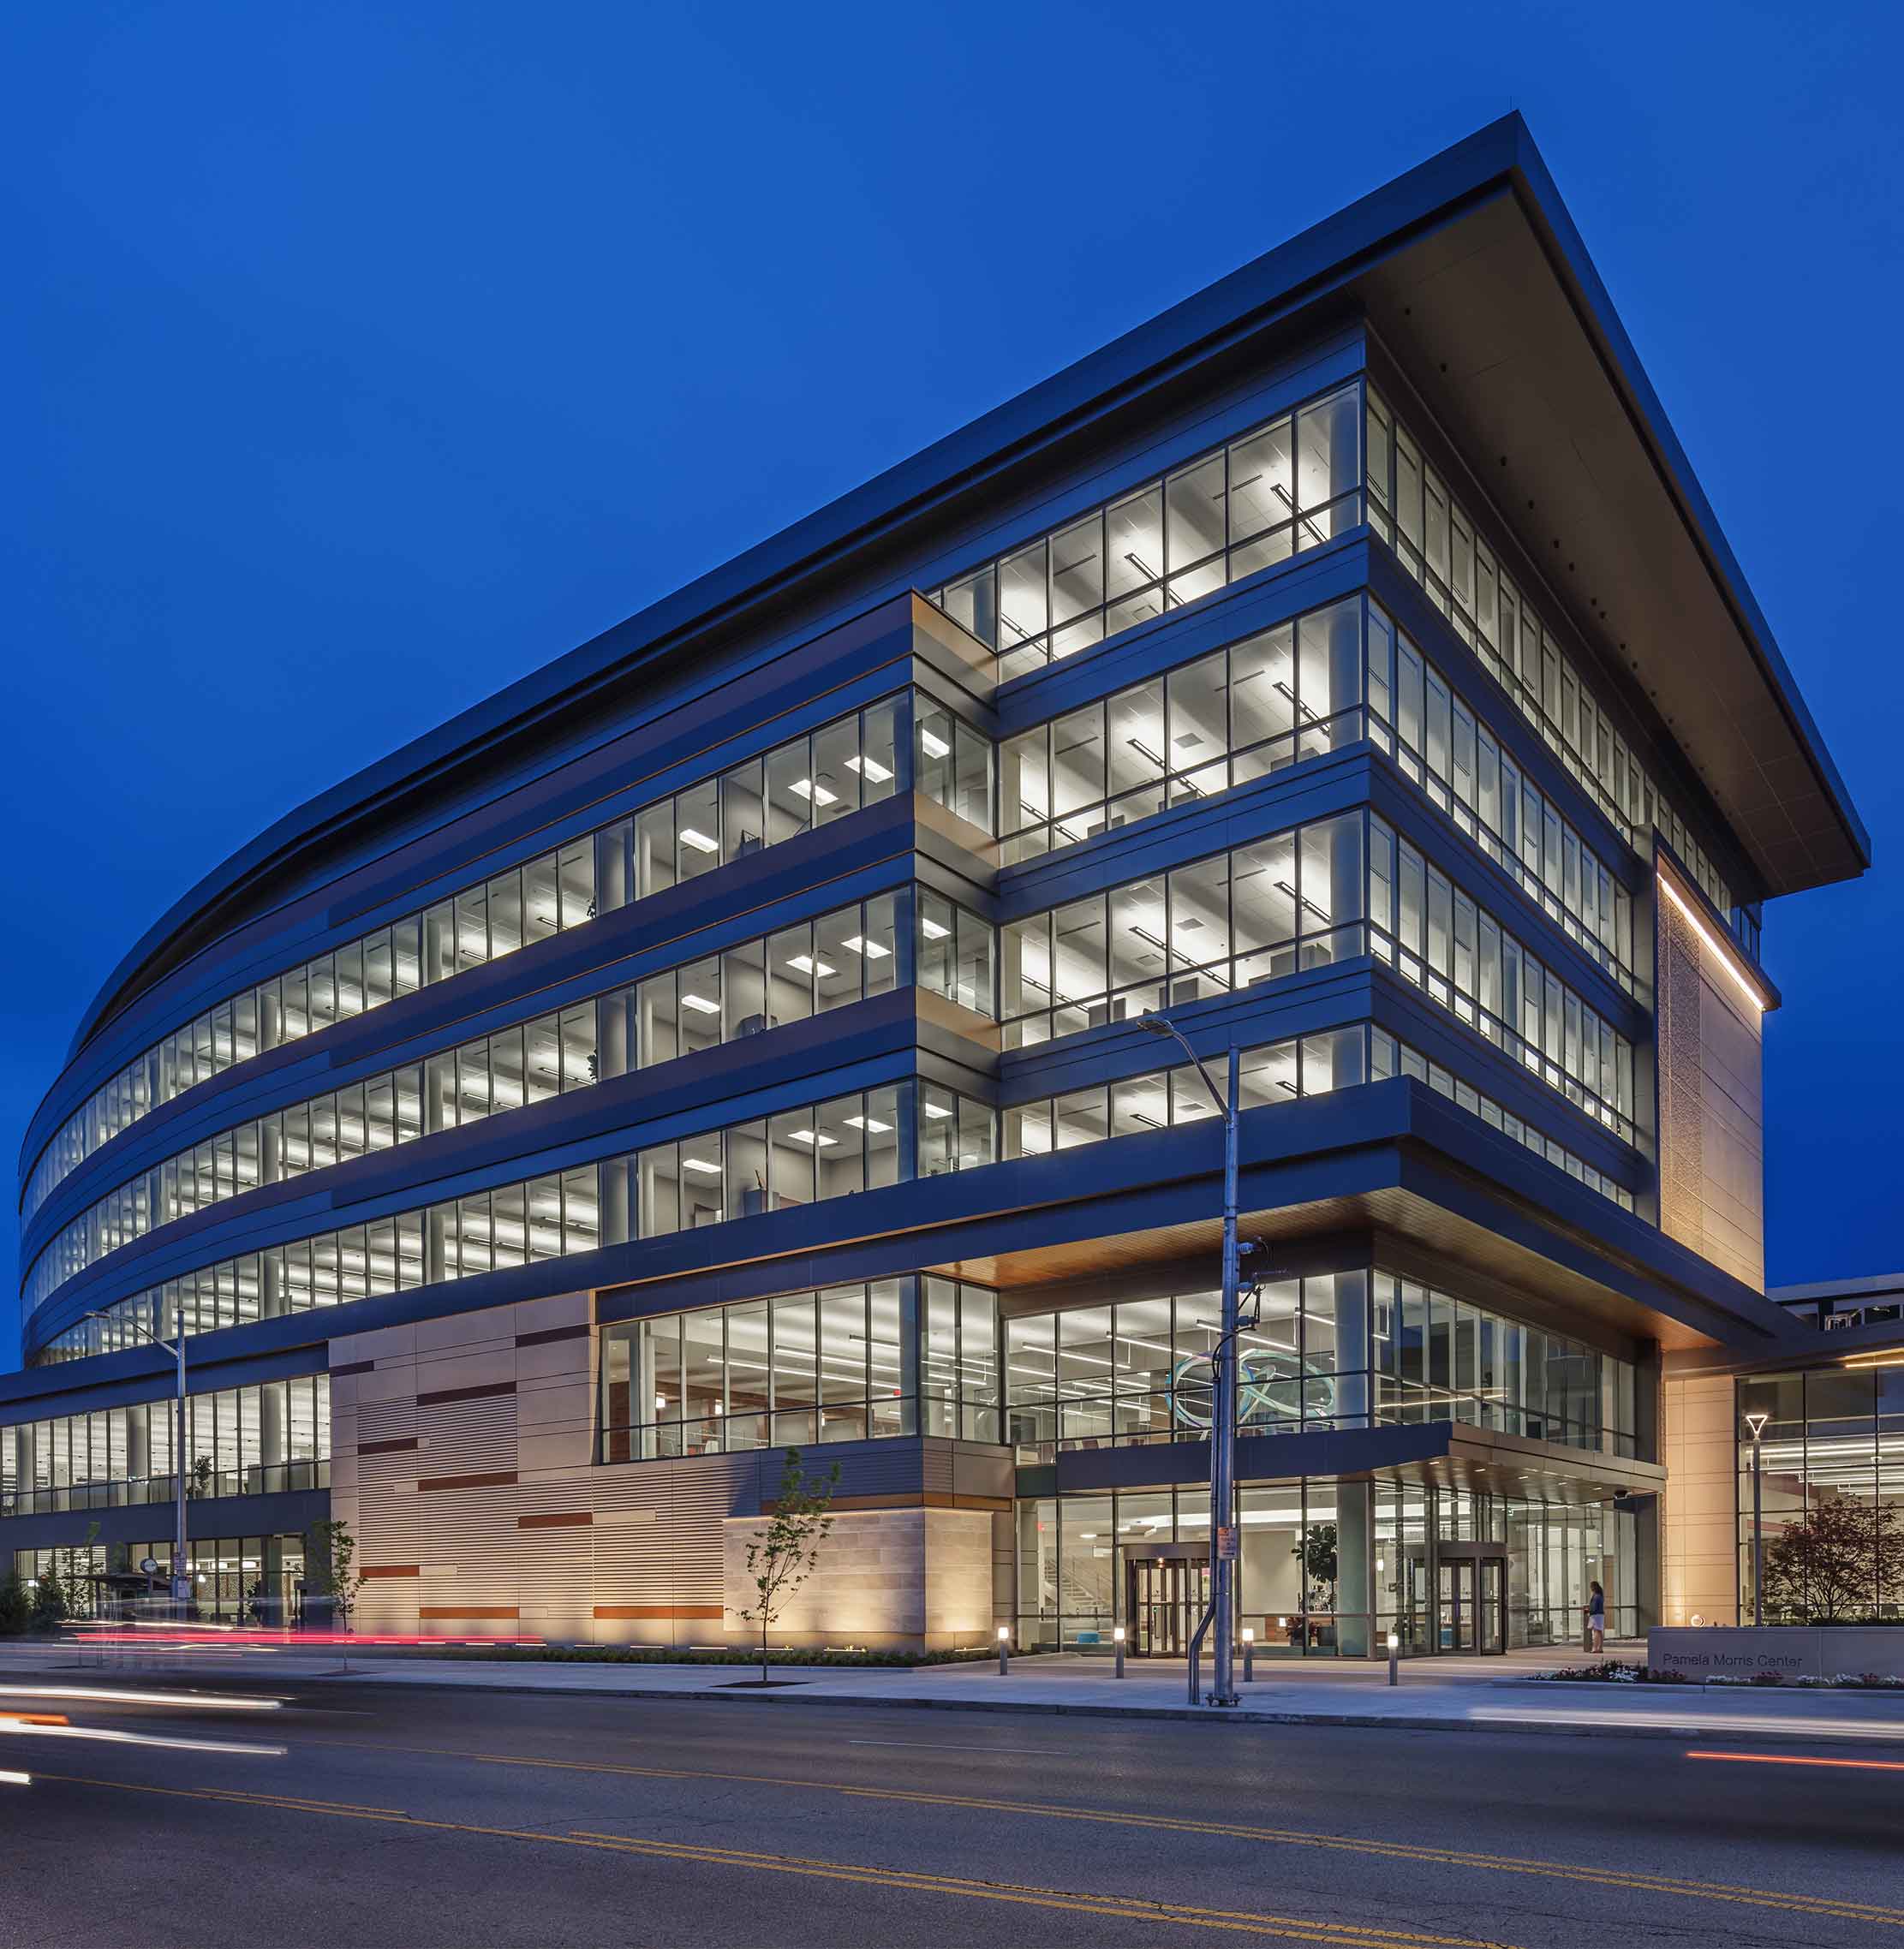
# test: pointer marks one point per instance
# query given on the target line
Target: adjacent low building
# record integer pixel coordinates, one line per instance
(730, 1038)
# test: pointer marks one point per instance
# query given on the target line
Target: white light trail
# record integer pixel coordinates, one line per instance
(111, 1737)
(210, 1701)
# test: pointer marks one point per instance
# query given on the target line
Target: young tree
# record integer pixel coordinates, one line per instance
(783, 1555)
(73, 1566)
(16, 1603)
(331, 1567)
(49, 1611)
(1842, 1560)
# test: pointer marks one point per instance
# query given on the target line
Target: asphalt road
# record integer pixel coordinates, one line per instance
(425, 1819)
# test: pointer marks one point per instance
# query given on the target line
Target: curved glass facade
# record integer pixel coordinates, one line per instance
(807, 782)
(737, 993)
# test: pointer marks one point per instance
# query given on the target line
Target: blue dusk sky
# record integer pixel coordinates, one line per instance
(359, 359)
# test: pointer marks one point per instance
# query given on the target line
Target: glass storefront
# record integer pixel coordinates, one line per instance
(1327, 1569)
(1831, 1493)
(236, 1580)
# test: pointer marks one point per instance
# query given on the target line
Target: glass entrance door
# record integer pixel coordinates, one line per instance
(1457, 1605)
(1491, 1619)
(1165, 1598)
(1473, 1603)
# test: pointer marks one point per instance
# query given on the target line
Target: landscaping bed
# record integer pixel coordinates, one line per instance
(1619, 1672)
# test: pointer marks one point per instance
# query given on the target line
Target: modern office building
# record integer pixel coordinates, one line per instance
(730, 1036)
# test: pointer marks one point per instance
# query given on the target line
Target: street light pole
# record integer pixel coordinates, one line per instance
(1224, 1362)
(1757, 1424)
(177, 1349)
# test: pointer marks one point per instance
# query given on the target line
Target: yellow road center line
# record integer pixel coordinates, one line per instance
(1333, 1935)
(1396, 1850)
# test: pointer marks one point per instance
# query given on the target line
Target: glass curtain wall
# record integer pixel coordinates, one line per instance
(1332, 1350)
(822, 1150)
(1831, 1494)
(844, 1364)
(236, 1579)
(801, 970)
(511, 1225)
(956, 1133)
(1293, 901)
(1438, 1358)
(1449, 946)
(1296, 692)
(807, 781)
(1259, 706)
(1411, 508)
(239, 1441)
(1428, 1541)
(1285, 487)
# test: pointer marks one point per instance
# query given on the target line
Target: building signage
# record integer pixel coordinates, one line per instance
(1792, 1651)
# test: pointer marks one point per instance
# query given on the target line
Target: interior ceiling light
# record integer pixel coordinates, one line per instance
(871, 949)
(870, 768)
(933, 931)
(698, 840)
(873, 1123)
(932, 745)
(818, 794)
(808, 965)
(700, 1005)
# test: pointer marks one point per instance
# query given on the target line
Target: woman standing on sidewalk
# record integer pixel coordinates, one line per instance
(1597, 1620)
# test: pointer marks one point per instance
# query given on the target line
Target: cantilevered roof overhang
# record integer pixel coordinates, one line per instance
(1469, 270)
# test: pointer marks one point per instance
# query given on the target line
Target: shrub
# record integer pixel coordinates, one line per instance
(1615, 1671)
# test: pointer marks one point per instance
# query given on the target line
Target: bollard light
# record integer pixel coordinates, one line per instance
(1004, 1649)
(1394, 1659)
(1117, 1639)
(1249, 1654)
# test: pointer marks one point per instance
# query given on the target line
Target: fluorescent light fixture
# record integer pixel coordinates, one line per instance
(933, 931)
(932, 745)
(818, 794)
(870, 768)
(700, 1005)
(660, 1400)
(698, 840)
(873, 1123)
(701, 1167)
(871, 949)
(808, 965)
(937, 1110)
(814, 1137)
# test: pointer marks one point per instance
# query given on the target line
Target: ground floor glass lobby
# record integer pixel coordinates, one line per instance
(1328, 1568)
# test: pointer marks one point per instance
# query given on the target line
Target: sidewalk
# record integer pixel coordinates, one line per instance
(1444, 1695)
